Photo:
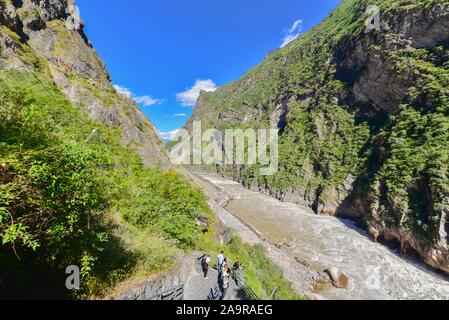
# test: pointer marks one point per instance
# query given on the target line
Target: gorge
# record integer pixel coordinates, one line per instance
(363, 120)
(357, 208)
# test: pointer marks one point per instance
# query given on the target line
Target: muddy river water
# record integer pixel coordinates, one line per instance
(374, 271)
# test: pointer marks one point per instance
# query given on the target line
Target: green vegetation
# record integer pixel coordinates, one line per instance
(70, 194)
(418, 141)
(61, 187)
(399, 157)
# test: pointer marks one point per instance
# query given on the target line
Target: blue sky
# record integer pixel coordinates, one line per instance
(161, 52)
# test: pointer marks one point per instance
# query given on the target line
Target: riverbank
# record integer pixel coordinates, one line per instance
(303, 245)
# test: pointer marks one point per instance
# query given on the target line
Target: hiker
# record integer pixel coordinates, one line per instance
(235, 269)
(220, 168)
(237, 266)
(205, 264)
(220, 260)
(224, 265)
(225, 283)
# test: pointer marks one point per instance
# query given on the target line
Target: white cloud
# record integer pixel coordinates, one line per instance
(147, 101)
(189, 97)
(180, 115)
(123, 90)
(144, 100)
(292, 33)
(167, 136)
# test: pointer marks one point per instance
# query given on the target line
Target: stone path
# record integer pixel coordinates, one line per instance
(199, 288)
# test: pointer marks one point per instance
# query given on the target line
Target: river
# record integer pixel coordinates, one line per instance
(374, 271)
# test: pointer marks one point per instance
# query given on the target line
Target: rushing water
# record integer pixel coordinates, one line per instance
(374, 271)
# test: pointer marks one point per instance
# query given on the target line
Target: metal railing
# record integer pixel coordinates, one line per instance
(239, 278)
(215, 294)
(176, 294)
(170, 287)
(248, 292)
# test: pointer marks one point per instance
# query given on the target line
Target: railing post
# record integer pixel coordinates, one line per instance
(159, 294)
(249, 293)
(273, 293)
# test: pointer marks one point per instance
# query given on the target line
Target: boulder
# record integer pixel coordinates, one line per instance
(338, 279)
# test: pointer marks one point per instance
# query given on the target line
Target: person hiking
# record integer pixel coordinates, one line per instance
(205, 264)
(220, 169)
(220, 260)
(224, 265)
(225, 283)
(236, 268)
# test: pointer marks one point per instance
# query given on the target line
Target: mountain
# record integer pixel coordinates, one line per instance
(79, 164)
(363, 115)
(48, 31)
(85, 180)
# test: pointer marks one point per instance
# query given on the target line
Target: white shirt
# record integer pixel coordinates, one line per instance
(225, 280)
(220, 260)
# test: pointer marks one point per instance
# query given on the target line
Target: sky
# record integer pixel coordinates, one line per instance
(163, 52)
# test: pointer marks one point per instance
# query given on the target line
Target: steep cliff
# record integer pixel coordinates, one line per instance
(363, 118)
(44, 37)
(77, 182)
(75, 185)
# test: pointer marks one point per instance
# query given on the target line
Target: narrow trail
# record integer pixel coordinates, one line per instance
(199, 288)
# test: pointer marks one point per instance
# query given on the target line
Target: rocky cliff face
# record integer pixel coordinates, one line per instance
(35, 37)
(363, 118)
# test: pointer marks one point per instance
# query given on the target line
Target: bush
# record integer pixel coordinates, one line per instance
(60, 192)
(168, 203)
(49, 195)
